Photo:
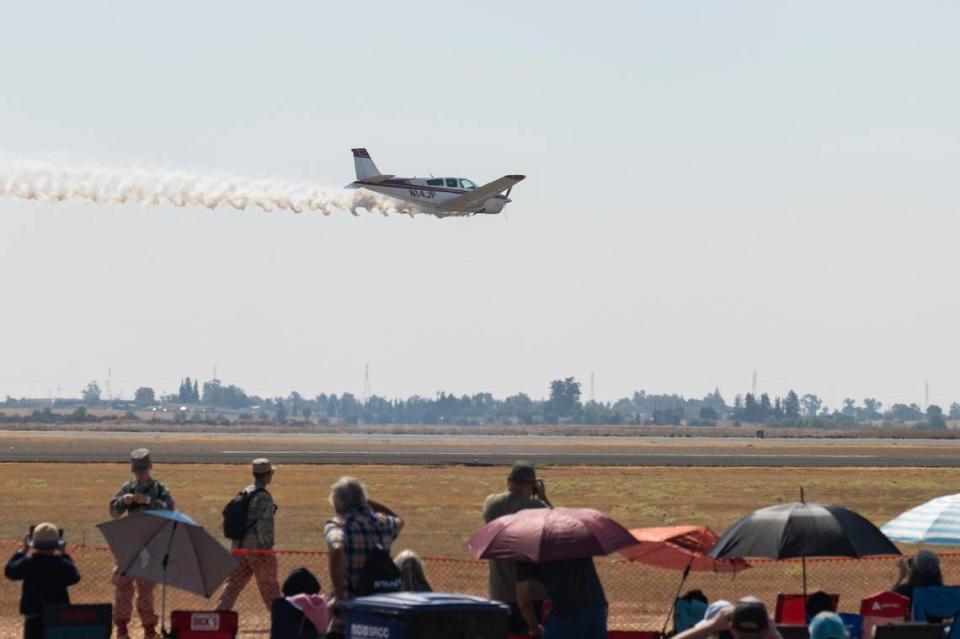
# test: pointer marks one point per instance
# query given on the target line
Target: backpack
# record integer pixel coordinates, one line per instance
(235, 515)
(379, 574)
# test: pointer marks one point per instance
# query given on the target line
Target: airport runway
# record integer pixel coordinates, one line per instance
(477, 450)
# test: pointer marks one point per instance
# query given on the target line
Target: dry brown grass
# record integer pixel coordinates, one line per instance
(441, 504)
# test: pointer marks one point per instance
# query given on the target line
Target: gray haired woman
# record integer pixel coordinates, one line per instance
(411, 569)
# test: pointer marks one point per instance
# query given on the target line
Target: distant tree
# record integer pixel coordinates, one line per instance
(935, 418)
(777, 407)
(709, 412)
(280, 414)
(766, 410)
(954, 411)
(791, 406)
(219, 396)
(904, 413)
(715, 400)
(738, 406)
(668, 416)
(811, 405)
(871, 408)
(296, 402)
(751, 409)
(144, 396)
(564, 396)
(91, 394)
(849, 408)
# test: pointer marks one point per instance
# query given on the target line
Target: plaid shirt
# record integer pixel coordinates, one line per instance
(358, 532)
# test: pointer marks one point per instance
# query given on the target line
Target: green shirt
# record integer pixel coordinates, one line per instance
(503, 572)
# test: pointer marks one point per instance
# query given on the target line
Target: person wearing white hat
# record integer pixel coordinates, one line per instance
(46, 574)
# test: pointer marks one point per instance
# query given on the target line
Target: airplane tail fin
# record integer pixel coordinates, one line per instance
(365, 167)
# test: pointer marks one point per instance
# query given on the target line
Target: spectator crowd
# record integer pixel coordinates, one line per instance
(360, 539)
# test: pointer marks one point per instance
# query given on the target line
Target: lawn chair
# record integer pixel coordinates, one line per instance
(881, 608)
(853, 623)
(63, 621)
(793, 631)
(792, 609)
(939, 602)
(194, 624)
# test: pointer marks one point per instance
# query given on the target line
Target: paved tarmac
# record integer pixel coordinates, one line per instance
(477, 450)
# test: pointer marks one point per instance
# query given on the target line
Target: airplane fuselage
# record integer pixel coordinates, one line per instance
(430, 193)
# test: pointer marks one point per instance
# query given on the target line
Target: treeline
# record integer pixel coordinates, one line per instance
(214, 401)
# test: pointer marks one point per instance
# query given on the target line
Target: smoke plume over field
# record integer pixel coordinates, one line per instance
(57, 182)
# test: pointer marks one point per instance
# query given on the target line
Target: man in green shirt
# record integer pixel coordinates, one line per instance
(524, 491)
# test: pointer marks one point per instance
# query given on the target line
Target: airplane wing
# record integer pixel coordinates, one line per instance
(473, 200)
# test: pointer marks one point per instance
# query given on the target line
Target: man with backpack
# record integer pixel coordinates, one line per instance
(143, 492)
(248, 524)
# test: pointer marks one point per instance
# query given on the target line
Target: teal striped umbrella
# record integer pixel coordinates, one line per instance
(935, 522)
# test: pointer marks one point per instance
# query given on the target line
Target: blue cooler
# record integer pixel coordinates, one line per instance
(424, 615)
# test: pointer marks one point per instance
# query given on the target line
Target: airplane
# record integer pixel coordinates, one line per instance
(442, 197)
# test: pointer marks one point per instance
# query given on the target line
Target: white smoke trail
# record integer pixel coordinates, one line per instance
(56, 182)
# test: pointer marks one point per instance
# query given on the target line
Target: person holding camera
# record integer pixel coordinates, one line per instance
(46, 574)
(143, 492)
(524, 491)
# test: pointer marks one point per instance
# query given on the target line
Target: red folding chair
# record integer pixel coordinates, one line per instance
(883, 608)
(792, 609)
(195, 624)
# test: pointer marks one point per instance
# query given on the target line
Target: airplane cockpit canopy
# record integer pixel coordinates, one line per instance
(452, 183)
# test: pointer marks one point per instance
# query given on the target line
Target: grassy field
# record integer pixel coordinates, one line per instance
(441, 507)
(442, 504)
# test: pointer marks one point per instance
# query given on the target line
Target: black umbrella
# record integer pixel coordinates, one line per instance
(801, 530)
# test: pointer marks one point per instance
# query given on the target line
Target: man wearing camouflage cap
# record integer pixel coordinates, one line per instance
(258, 538)
(140, 493)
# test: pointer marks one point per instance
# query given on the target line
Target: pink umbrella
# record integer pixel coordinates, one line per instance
(550, 534)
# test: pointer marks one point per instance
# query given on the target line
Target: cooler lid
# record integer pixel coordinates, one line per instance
(404, 602)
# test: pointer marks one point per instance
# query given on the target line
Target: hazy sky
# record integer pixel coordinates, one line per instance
(713, 188)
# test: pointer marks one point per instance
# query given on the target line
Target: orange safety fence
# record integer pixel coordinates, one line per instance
(639, 595)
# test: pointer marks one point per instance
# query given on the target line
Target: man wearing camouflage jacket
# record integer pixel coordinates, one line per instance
(259, 562)
(140, 493)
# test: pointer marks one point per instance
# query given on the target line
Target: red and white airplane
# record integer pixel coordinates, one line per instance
(438, 196)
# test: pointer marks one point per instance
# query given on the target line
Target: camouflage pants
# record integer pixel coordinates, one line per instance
(264, 568)
(123, 603)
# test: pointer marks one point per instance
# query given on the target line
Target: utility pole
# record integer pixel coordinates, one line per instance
(926, 395)
(593, 388)
(109, 384)
(754, 387)
(366, 384)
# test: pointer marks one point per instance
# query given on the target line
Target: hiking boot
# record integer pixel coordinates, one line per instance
(150, 632)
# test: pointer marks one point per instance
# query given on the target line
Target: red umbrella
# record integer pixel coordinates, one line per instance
(679, 548)
(550, 534)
